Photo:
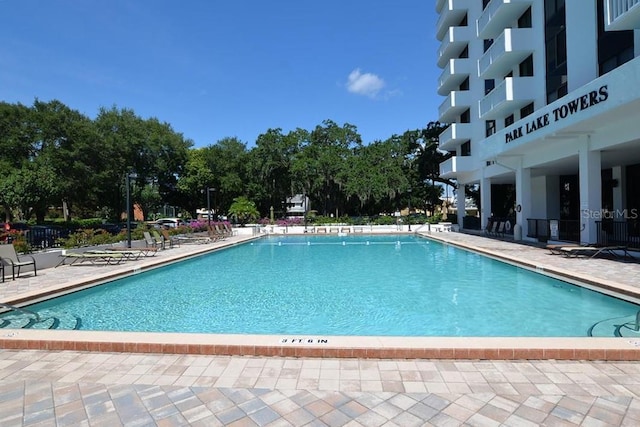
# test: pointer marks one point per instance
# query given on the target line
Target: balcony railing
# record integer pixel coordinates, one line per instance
(506, 52)
(454, 42)
(454, 73)
(456, 134)
(455, 104)
(510, 95)
(622, 15)
(497, 15)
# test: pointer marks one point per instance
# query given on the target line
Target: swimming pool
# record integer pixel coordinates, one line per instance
(352, 285)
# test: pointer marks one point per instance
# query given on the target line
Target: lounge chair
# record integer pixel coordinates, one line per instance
(142, 250)
(500, 230)
(9, 257)
(93, 258)
(128, 254)
(229, 229)
(489, 227)
(164, 239)
(556, 249)
(220, 232)
(594, 251)
(184, 239)
(154, 241)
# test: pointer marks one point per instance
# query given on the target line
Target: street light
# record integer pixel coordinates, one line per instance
(130, 176)
(409, 214)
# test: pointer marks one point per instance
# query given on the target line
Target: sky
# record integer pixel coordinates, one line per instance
(214, 69)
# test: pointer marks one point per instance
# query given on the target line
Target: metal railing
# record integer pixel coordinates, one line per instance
(618, 233)
(540, 228)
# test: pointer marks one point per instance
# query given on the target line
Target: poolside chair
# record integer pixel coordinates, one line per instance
(164, 239)
(128, 254)
(595, 251)
(500, 230)
(493, 231)
(490, 224)
(183, 239)
(557, 249)
(227, 227)
(151, 241)
(93, 258)
(143, 250)
(219, 233)
(9, 257)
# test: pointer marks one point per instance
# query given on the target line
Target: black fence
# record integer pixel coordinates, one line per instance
(619, 233)
(541, 229)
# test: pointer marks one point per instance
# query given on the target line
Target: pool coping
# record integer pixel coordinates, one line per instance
(481, 348)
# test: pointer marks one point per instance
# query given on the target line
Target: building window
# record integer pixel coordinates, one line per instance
(487, 44)
(485, 3)
(526, 67)
(465, 149)
(556, 47)
(463, 22)
(464, 53)
(465, 117)
(489, 85)
(526, 110)
(490, 127)
(509, 120)
(465, 84)
(525, 19)
(614, 47)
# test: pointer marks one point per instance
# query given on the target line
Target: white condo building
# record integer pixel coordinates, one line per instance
(543, 102)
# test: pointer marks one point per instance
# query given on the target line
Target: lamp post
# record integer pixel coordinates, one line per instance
(130, 176)
(409, 213)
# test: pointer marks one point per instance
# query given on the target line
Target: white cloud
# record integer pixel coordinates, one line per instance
(364, 84)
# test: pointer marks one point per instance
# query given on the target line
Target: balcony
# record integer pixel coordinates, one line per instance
(454, 136)
(510, 95)
(622, 15)
(450, 16)
(498, 15)
(456, 71)
(449, 169)
(506, 52)
(454, 42)
(455, 104)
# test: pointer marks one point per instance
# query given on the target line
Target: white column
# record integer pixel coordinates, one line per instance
(461, 197)
(485, 201)
(523, 198)
(590, 192)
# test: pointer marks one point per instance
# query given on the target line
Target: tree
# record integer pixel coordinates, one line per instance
(375, 175)
(242, 210)
(321, 163)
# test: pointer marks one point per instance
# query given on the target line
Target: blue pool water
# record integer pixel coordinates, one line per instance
(353, 285)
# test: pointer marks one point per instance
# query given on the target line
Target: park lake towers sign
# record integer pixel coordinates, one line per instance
(559, 113)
